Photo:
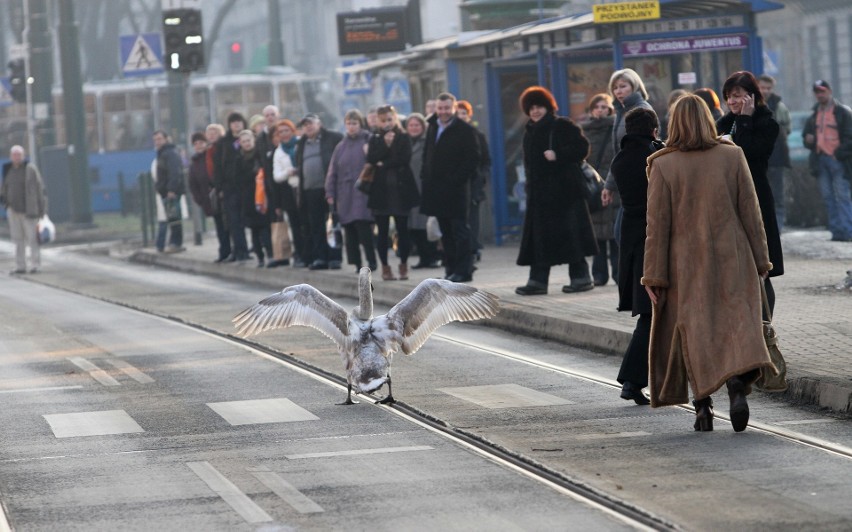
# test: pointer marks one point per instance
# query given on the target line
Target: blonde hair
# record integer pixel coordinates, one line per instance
(630, 76)
(691, 126)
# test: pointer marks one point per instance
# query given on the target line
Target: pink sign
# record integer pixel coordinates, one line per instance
(684, 45)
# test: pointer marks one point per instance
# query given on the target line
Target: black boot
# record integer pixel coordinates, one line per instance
(739, 405)
(633, 391)
(703, 414)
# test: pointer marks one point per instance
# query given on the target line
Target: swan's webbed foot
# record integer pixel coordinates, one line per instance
(389, 400)
(348, 400)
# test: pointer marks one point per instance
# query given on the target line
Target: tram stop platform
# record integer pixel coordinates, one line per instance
(813, 314)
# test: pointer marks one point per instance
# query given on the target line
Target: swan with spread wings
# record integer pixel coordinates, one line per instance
(367, 343)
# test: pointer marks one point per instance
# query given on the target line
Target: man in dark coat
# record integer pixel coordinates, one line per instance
(477, 186)
(170, 186)
(628, 168)
(225, 179)
(313, 156)
(450, 164)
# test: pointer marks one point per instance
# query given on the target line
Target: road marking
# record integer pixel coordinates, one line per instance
(288, 493)
(280, 410)
(504, 396)
(606, 436)
(230, 493)
(92, 423)
(46, 389)
(805, 421)
(96, 373)
(360, 451)
(130, 370)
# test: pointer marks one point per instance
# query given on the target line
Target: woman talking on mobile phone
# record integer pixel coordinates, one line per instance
(750, 125)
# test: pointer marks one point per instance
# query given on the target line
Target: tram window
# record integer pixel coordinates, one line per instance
(90, 109)
(200, 108)
(229, 95)
(115, 102)
(258, 95)
(140, 101)
(290, 101)
(163, 116)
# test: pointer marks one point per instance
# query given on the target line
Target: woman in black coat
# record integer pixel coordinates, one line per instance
(557, 226)
(628, 170)
(750, 124)
(394, 190)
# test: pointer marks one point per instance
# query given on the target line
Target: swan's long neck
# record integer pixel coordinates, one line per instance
(364, 311)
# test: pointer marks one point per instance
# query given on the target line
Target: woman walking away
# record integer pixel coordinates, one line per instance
(750, 125)
(705, 254)
(557, 226)
(598, 129)
(350, 203)
(628, 168)
(394, 191)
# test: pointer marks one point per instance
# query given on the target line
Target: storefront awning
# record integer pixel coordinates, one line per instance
(412, 53)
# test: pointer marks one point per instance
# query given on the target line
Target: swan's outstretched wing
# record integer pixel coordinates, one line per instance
(295, 305)
(436, 302)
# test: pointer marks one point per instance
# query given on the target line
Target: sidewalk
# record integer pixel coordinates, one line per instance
(813, 315)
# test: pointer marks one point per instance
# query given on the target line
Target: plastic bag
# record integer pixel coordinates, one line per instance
(433, 229)
(46, 230)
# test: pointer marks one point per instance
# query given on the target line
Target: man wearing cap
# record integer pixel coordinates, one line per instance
(313, 156)
(828, 134)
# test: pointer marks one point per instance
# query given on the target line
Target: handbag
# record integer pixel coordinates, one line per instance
(594, 186)
(172, 208)
(365, 178)
(592, 181)
(771, 380)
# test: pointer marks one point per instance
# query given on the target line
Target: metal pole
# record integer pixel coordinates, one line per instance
(276, 46)
(41, 71)
(75, 118)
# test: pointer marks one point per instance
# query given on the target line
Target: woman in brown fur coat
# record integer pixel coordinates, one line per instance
(705, 254)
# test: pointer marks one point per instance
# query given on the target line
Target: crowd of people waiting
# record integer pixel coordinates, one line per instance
(284, 183)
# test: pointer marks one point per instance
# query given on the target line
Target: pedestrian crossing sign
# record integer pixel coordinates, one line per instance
(141, 55)
(357, 82)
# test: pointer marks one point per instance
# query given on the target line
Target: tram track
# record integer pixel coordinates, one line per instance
(574, 488)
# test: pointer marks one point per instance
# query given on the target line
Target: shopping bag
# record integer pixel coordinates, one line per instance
(46, 230)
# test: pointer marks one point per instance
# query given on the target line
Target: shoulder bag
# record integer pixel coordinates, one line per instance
(365, 178)
(592, 181)
(771, 380)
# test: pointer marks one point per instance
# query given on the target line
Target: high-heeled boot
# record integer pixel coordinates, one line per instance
(403, 272)
(703, 414)
(387, 273)
(739, 405)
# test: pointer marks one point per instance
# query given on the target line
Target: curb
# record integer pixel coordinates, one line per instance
(834, 393)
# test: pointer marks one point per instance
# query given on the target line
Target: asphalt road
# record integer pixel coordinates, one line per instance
(115, 418)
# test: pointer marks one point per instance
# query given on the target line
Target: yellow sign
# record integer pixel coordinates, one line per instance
(626, 11)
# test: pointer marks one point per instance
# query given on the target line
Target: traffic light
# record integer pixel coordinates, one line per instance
(235, 56)
(182, 31)
(18, 80)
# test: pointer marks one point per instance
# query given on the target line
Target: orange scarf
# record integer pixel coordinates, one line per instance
(260, 192)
